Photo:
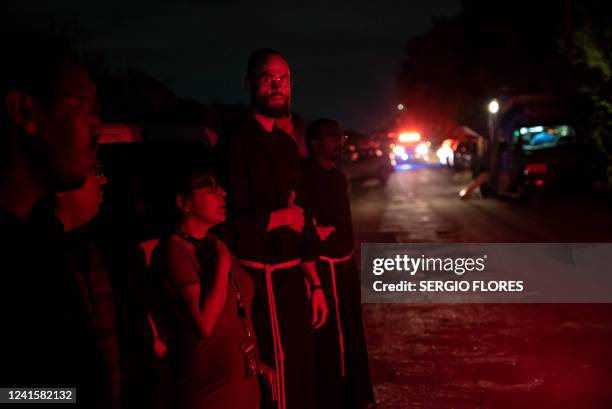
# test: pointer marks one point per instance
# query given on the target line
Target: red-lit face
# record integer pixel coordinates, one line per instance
(83, 204)
(66, 131)
(330, 147)
(207, 205)
(271, 87)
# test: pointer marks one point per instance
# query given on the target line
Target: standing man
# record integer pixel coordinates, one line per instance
(110, 274)
(47, 121)
(343, 373)
(274, 240)
(75, 209)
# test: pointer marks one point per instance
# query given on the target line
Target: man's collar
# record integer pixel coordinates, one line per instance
(189, 238)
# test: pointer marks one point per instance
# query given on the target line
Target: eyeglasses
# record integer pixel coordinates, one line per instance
(218, 191)
(282, 80)
(211, 185)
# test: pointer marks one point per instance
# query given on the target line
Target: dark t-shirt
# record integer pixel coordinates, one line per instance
(207, 372)
(325, 193)
(259, 170)
(47, 338)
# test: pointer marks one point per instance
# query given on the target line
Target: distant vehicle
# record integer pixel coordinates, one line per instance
(410, 147)
(366, 158)
(541, 144)
(555, 158)
(464, 155)
(446, 152)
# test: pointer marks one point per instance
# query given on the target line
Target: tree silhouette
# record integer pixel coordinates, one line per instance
(450, 72)
(591, 49)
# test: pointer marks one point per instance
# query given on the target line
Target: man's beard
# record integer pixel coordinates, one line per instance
(262, 106)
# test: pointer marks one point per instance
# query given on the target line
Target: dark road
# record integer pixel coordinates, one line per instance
(477, 355)
(422, 205)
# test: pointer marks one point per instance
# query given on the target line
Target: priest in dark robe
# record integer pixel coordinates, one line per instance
(343, 373)
(272, 235)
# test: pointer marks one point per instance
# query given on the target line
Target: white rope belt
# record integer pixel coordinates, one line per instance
(279, 355)
(332, 270)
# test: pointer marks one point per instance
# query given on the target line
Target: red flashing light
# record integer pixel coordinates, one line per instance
(409, 137)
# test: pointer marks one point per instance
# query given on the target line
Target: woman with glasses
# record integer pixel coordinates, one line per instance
(204, 310)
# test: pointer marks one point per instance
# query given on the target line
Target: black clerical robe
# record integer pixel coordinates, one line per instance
(261, 169)
(325, 193)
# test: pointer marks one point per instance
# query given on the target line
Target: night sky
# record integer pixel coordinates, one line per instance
(344, 55)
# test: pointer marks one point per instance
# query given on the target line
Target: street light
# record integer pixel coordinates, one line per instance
(492, 145)
(493, 106)
(493, 109)
(400, 107)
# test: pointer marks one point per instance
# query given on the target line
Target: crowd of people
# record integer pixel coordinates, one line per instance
(252, 300)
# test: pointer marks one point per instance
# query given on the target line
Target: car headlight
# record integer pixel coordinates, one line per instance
(421, 149)
(444, 153)
(399, 150)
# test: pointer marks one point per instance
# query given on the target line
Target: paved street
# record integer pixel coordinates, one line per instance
(483, 356)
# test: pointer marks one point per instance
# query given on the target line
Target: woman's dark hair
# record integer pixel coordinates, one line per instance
(193, 179)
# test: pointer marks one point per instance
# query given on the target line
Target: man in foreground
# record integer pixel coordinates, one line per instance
(49, 112)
